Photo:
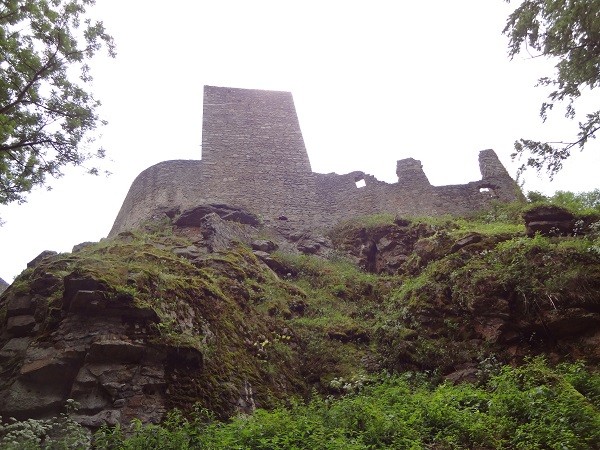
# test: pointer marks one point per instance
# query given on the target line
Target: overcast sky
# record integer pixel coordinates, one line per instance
(373, 82)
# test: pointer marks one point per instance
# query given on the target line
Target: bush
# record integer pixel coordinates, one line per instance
(60, 432)
(581, 203)
(532, 406)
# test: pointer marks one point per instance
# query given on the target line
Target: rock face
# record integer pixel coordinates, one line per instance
(39, 258)
(96, 350)
(222, 309)
(459, 302)
(100, 341)
(3, 285)
(549, 220)
(399, 248)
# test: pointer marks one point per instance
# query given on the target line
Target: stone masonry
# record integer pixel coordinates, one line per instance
(253, 157)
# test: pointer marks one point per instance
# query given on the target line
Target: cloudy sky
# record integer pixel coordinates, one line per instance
(373, 82)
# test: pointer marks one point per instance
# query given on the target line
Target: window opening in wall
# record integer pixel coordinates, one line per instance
(487, 190)
(360, 183)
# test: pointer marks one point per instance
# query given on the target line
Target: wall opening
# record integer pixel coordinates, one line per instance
(360, 183)
(488, 191)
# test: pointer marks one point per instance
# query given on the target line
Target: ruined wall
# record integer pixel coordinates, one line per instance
(413, 195)
(253, 156)
(169, 185)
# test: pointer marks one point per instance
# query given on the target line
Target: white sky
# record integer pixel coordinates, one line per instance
(373, 82)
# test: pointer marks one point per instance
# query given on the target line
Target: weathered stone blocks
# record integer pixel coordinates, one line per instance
(19, 326)
(254, 158)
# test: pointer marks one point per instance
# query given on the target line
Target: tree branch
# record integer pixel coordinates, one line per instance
(36, 76)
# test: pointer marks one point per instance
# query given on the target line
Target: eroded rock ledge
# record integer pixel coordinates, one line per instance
(214, 306)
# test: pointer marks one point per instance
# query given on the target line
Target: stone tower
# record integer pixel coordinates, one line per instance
(253, 152)
(253, 157)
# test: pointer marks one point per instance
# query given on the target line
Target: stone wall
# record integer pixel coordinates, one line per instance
(166, 186)
(413, 194)
(253, 157)
(253, 152)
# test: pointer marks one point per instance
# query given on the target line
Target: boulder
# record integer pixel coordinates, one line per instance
(19, 306)
(463, 375)
(56, 370)
(549, 220)
(39, 258)
(190, 252)
(25, 400)
(193, 217)
(45, 284)
(88, 302)
(264, 245)
(14, 347)
(309, 247)
(79, 247)
(74, 284)
(212, 234)
(275, 265)
(3, 285)
(310, 244)
(19, 326)
(471, 238)
(432, 248)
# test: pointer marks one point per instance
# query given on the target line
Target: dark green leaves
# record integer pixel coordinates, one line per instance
(569, 32)
(46, 116)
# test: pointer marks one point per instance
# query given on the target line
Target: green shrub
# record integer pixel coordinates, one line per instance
(528, 407)
(60, 432)
(580, 203)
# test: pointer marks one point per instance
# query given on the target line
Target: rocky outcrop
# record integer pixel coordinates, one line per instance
(212, 233)
(264, 245)
(402, 247)
(471, 295)
(81, 246)
(549, 220)
(219, 310)
(96, 349)
(194, 217)
(3, 285)
(39, 258)
(367, 246)
(127, 339)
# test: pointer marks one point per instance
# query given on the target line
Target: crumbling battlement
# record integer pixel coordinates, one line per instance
(253, 157)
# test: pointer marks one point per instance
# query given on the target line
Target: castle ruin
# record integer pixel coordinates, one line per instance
(253, 157)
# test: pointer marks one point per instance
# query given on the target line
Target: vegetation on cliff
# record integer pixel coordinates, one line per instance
(532, 406)
(402, 333)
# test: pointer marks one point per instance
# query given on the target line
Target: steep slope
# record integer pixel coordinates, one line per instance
(217, 309)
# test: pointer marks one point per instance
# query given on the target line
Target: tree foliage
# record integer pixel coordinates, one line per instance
(567, 31)
(46, 114)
